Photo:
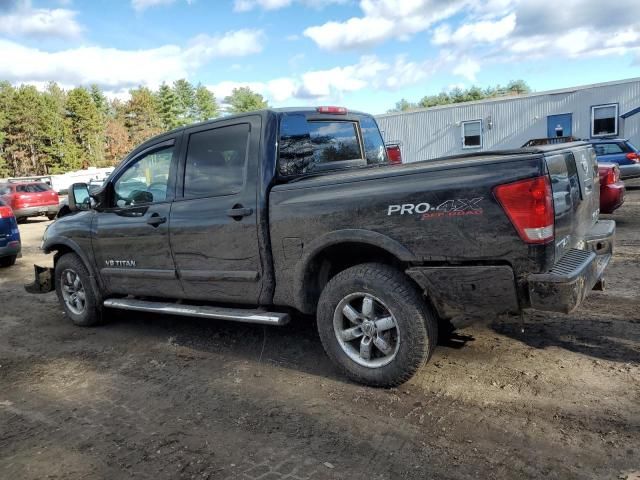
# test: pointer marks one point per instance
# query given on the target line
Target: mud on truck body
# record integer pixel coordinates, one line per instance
(257, 216)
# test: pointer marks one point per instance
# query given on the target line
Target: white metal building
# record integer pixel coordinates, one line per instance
(590, 111)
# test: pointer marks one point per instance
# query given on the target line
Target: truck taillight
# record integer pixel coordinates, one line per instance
(633, 156)
(394, 154)
(334, 110)
(529, 206)
(6, 212)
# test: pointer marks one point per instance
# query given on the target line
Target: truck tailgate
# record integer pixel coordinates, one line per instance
(576, 196)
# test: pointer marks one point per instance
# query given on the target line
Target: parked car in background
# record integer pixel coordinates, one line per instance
(9, 236)
(612, 189)
(30, 199)
(620, 151)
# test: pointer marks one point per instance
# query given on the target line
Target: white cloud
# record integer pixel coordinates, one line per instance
(21, 19)
(485, 31)
(248, 5)
(355, 32)
(331, 84)
(503, 31)
(383, 20)
(281, 89)
(467, 68)
(115, 69)
(225, 88)
(278, 90)
(140, 5)
(238, 43)
(579, 28)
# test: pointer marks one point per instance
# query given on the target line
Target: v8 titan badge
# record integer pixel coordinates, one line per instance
(459, 207)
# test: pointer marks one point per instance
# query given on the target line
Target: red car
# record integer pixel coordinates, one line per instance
(611, 187)
(30, 199)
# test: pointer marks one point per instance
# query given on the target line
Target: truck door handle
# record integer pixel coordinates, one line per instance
(156, 220)
(238, 211)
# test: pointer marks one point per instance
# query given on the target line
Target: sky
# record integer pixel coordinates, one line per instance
(362, 54)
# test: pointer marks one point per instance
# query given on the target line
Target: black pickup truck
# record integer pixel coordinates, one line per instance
(253, 217)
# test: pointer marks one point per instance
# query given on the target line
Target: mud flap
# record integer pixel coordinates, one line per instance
(44, 280)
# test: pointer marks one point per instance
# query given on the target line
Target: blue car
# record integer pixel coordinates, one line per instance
(620, 151)
(9, 236)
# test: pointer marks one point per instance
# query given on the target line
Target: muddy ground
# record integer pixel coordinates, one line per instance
(157, 397)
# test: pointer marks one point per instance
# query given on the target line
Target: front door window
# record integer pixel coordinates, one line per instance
(146, 180)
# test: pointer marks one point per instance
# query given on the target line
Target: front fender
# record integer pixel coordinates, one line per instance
(64, 244)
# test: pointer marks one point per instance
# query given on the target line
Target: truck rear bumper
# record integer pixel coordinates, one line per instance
(566, 285)
(489, 290)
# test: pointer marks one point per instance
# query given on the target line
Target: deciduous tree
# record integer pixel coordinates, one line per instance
(243, 99)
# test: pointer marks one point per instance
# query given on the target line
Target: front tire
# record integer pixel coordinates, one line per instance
(374, 324)
(75, 291)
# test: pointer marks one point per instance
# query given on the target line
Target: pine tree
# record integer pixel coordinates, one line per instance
(243, 99)
(87, 125)
(168, 107)
(57, 134)
(186, 98)
(6, 94)
(99, 99)
(24, 132)
(206, 104)
(141, 115)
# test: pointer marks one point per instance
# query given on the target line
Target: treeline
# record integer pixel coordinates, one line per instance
(458, 95)
(56, 130)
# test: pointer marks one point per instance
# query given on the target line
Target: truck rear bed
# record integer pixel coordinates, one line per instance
(443, 218)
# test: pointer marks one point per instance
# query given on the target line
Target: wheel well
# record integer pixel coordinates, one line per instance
(60, 251)
(333, 260)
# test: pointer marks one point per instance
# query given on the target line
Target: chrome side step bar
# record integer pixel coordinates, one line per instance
(218, 313)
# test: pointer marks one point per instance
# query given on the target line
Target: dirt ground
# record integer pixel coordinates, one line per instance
(156, 397)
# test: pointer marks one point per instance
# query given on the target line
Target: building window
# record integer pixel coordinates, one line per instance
(472, 134)
(604, 120)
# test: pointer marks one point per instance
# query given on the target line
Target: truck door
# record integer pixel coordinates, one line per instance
(214, 234)
(131, 234)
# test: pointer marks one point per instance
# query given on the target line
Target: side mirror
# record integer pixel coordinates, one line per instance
(79, 198)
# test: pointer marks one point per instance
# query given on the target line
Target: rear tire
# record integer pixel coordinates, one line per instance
(75, 291)
(8, 261)
(52, 216)
(388, 331)
(21, 219)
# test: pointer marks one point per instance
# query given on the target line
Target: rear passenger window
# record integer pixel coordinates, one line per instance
(216, 161)
(608, 149)
(317, 145)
